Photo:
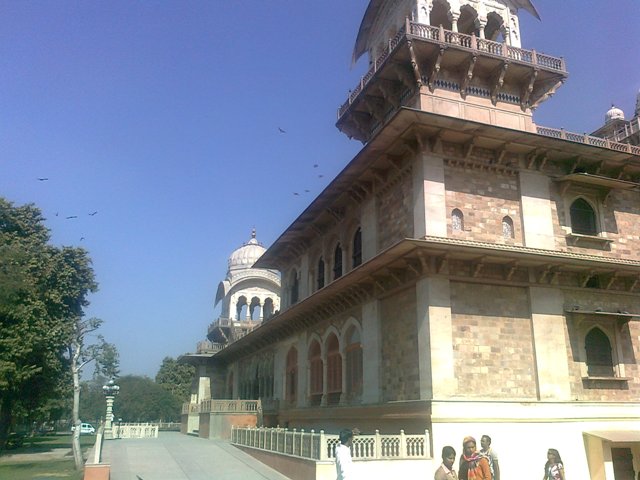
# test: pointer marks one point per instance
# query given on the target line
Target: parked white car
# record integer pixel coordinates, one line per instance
(85, 428)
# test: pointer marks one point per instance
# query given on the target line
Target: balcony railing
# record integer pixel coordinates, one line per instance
(321, 446)
(463, 41)
(207, 346)
(588, 140)
(229, 406)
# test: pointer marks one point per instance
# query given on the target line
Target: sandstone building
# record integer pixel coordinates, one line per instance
(469, 272)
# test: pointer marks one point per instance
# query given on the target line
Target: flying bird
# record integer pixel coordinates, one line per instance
(296, 193)
(315, 165)
(93, 213)
(320, 176)
(71, 216)
(306, 191)
(81, 238)
(281, 130)
(42, 179)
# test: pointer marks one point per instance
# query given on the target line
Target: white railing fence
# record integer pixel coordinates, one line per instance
(321, 446)
(222, 406)
(135, 430)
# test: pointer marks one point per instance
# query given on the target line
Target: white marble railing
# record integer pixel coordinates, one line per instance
(321, 446)
(588, 140)
(135, 430)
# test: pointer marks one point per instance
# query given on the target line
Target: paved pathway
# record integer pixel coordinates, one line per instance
(173, 456)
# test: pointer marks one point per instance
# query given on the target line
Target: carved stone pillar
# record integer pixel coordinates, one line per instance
(481, 23)
(454, 21)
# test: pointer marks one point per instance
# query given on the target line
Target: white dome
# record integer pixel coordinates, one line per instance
(614, 113)
(247, 254)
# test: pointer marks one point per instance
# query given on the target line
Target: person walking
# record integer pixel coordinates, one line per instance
(344, 464)
(473, 466)
(492, 456)
(446, 471)
(553, 469)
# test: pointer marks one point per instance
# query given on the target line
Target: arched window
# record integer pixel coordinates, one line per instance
(294, 287)
(315, 373)
(334, 370)
(354, 362)
(583, 218)
(254, 309)
(507, 227)
(291, 382)
(337, 262)
(357, 248)
(467, 20)
(493, 29)
(440, 14)
(267, 309)
(320, 274)
(599, 358)
(241, 308)
(457, 220)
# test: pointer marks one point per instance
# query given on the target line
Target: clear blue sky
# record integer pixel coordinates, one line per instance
(163, 117)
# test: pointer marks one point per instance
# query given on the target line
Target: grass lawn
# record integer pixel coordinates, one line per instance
(41, 458)
(38, 469)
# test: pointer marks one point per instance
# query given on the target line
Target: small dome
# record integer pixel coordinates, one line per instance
(614, 113)
(247, 254)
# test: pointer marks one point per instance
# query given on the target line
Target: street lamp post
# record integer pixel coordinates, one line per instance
(110, 391)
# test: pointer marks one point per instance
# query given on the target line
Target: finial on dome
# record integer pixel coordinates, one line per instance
(614, 113)
(253, 233)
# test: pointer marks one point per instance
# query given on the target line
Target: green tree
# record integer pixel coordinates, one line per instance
(33, 313)
(142, 400)
(43, 293)
(176, 378)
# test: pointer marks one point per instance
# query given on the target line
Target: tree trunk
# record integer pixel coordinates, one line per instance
(77, 452)
(5, 421)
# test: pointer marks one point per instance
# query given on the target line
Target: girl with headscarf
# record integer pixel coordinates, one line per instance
(473, 466)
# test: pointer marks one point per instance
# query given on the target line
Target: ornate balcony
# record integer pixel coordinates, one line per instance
(424, 55)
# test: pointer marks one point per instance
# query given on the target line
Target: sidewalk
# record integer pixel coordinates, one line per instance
(173, 456)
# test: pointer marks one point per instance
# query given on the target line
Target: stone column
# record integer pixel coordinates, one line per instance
(204, 383)
(454, 21)
(369, 227)
(435, 339)
(482, 23)
(429, 202)
(371, 351)
(535, 201)
(549, 342)
(303, 372)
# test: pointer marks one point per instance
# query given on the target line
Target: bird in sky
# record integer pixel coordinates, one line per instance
(296, 193)
(42, 179)
(81, 238)
(93, 213)
(320, 176)
(71, 216)
(315, 165)
(281, 130)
